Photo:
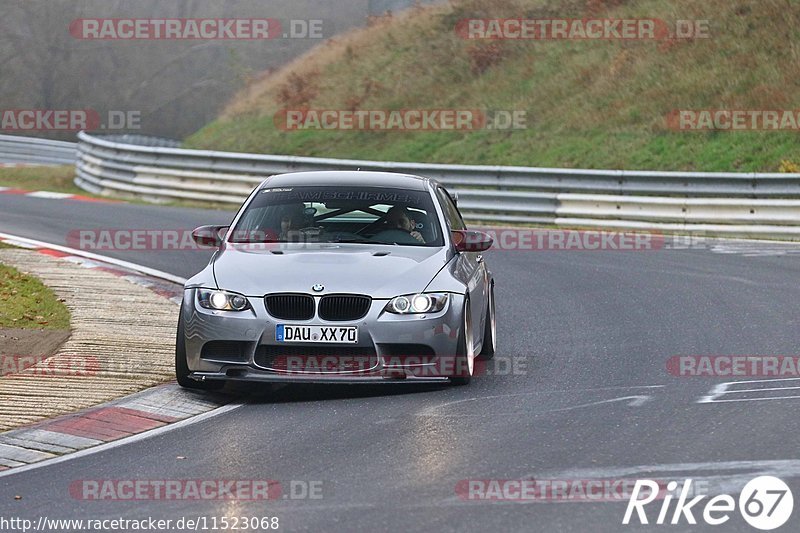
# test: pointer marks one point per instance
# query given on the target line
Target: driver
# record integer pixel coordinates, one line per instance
(399, 217)
(292, 219)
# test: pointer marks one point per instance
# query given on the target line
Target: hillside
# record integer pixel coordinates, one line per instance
(588, 103)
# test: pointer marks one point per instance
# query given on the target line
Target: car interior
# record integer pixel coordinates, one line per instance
(335, 221)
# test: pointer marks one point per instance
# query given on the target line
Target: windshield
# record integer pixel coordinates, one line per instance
(332, 214)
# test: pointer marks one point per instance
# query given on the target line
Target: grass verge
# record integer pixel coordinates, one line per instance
(54, 179)
(26, 303)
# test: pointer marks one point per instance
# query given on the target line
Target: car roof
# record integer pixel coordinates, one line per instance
(348, 178)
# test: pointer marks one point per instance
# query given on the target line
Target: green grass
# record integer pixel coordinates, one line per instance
(54, 179)
(27, 304)
(590, 104)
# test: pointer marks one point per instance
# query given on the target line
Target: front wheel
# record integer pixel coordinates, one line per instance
(182, 367)
(464, 366)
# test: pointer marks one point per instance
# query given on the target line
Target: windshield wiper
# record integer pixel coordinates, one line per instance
(351, 240)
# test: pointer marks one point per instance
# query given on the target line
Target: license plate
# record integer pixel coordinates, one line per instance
(323, 334)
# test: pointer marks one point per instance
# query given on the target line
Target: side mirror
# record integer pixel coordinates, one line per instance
(466, 240)
(209, 236)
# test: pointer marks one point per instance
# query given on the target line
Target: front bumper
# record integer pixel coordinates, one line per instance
(378, 331)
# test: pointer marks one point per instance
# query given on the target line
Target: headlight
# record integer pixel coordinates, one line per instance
(221, 300)
(429, 302)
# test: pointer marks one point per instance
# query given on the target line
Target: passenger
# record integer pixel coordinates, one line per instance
(399, 217)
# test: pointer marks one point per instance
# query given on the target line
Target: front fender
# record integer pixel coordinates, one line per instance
(204, 278)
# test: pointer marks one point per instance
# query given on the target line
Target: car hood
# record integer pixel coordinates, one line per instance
(378, 271)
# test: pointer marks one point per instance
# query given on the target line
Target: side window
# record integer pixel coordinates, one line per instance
(450, 210)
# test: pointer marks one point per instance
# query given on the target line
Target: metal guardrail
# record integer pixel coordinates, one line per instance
(733, 204)
(33, 150)
(143, 140)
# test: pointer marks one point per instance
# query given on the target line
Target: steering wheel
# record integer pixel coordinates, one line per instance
(310, 230)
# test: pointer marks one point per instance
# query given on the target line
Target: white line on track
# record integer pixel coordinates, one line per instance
(96, 257)
(725, 389)
(636, 401)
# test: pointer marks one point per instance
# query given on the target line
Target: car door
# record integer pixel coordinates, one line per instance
(469, 266)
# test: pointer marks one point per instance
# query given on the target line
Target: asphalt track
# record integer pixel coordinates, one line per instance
(591, 333)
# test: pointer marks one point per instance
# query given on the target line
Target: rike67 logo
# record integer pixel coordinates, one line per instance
(765, 503)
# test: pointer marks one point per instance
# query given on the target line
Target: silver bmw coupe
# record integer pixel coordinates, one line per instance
(339, 277)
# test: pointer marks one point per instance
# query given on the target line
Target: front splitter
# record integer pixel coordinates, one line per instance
(344, 379)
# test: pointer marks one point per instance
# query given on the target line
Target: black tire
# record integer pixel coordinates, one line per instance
(182, 368)
(463, 373)
(489, 328)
